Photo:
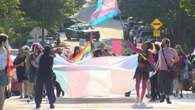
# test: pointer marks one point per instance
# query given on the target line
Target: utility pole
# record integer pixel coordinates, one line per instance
(43, 22)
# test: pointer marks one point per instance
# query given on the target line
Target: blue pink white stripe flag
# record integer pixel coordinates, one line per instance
(101, 76)
(106, 9)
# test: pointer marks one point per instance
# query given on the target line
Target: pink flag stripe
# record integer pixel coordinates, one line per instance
(102, 13)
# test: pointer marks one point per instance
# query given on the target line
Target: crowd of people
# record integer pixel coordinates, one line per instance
(36, 78)
(166, 70)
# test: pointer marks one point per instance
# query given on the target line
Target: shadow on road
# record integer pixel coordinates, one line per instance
(93, 100)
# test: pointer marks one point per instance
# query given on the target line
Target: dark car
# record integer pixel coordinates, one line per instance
(71, 21)
(147, 36)
(82, 31)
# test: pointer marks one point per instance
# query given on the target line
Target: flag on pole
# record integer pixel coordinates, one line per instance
(106, 9)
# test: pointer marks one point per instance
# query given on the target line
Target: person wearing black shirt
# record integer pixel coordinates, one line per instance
(45, 77)
(20, 65)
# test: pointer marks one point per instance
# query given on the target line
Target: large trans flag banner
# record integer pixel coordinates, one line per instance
(106, 9)
(101, 76)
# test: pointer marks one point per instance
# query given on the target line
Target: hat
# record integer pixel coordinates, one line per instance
(3, 37)
(25, 47)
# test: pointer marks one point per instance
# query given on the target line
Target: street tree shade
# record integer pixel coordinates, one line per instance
(172, 13)
(50, 13)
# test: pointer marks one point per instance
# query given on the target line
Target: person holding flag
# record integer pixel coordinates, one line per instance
(145, 65)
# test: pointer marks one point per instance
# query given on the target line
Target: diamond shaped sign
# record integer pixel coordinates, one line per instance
(156, 24)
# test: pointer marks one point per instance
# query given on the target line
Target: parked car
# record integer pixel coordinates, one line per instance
(82, 31)
(68, 22)
(147, 36)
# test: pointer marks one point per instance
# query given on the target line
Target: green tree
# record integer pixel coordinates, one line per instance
(45, 12)
(50, 13)
(173, 17)
(12, 21)
(188, 6)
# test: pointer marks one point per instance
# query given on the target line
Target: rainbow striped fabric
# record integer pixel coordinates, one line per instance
(106, 9)
(84, 55)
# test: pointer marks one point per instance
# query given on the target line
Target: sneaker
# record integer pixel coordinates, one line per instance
(142, 104)
(162, 99)
(168, 101)
(181, 95)
(31, 97)
(21, 97)
(137, 100)
(28, 101)
(127, 94)
(26, 96)
(152, 100)
(38, 106)
(52, 106)
(175, 94)
(148, 96)
(62, 93)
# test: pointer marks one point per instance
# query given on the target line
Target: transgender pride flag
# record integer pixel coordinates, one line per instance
(106, 9)
(102, 76)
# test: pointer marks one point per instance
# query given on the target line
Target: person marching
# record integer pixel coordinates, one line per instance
(45, 77)
(4, 81)
(145, 65)
(154, 79)
(31, 68)
(180, 71)
(20, 65)
(167, 57)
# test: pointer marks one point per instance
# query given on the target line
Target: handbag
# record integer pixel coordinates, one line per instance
(171, 70)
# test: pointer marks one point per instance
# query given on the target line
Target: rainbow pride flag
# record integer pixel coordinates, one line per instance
(106, 9)
(84, 55)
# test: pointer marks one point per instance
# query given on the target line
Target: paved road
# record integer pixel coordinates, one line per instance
(101, 103)
(110, 29)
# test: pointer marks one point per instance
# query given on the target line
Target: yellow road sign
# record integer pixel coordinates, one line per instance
(156, 24)
(156, 33)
